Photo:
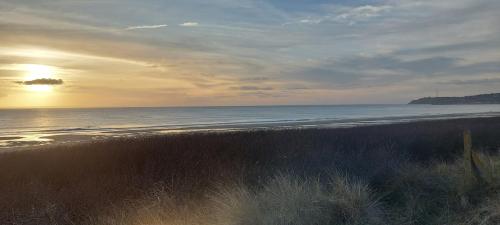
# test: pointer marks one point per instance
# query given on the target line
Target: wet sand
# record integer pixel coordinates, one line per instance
(14, 143)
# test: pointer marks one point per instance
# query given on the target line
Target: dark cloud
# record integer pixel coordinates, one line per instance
(363, 70)
(42, 81)
(253, 88)
(255, 79)
(391, 68)
(429, 65)
(327, 73)
(485, 81)
(262, 94)
(292, 87)
(478, 68)
(464, 46)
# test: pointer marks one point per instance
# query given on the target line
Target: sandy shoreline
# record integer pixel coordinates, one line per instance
(16, 143)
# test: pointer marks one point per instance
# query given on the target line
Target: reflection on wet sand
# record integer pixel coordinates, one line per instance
(22, 140)
(27, 139)
(42, 139)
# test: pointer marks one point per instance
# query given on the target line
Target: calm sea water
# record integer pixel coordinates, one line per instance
(26, 127)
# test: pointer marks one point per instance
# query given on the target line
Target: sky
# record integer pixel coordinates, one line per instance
(128, 53)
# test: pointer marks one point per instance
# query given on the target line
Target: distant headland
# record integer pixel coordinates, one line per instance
(493, 98)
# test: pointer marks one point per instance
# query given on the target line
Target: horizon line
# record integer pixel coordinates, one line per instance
(200, 106)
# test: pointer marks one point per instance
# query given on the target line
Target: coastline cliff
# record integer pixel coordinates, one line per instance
(466, 100)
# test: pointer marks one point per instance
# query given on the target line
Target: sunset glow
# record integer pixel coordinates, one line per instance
(245, 52)
(35, 71)
(254, 112)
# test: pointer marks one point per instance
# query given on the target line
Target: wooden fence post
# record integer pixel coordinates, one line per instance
(467, 157)
(475, 167)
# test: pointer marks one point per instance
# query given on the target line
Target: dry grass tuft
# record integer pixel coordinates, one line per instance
(287, 200)
(158, 207)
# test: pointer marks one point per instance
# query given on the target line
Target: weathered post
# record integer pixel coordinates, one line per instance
(477, 173)
(467, 157)
(475, 167)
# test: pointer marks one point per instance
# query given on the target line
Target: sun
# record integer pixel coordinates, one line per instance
(38, 71)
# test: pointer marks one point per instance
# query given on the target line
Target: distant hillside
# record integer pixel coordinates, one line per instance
(475, 99)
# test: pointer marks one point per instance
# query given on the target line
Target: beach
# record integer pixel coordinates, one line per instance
(88, 182)
(267, 112)
(25, 128)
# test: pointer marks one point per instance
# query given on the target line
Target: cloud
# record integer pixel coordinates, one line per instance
(350, 15)
(146, 27)
(311, 21)
(189, 24)
(255, 79)
(401, 67)
(385, 69)
(491, 67)
(413, 45)
(485, 81)
(253, 88)
(363, 12)
(42, 81)
(451, 48)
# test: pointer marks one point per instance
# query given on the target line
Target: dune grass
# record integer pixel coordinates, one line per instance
(432, 194)
(388, 174)
(288, 200)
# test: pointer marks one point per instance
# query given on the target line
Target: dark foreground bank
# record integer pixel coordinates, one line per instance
(384, 174)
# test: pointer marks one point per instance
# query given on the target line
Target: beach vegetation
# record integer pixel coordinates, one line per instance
(386, 174)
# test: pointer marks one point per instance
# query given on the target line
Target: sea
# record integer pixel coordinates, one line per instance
(34, 127)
